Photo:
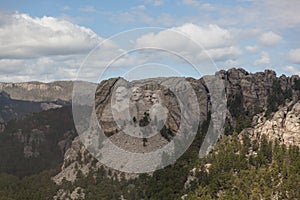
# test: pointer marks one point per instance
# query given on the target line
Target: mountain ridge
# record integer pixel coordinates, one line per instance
(255, 102)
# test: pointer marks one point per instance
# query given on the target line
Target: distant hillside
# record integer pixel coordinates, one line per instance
(37, 91)
(36, 142)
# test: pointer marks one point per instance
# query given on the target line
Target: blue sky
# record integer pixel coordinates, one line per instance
(49, 40)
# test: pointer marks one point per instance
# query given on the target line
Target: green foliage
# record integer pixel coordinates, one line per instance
(235, 173)
(35, 187)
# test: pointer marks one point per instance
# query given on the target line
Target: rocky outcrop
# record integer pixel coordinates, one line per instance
(77, 193)
(77, 160)
(34, 140)
(2, 124)
(249, 91)
(31, 141)
(284, 126)
(254, 89)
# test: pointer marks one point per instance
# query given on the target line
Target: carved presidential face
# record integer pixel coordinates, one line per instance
(148, 96)
(121, 93)
(155, 99)
(136, 94)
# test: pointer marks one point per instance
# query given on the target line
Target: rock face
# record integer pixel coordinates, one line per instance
(78, 160)
(254, 89)
(146, 109)
(75, 160)
(77, 193)
(37, 91)
(250, 91)
(32, 142)
(284, 126)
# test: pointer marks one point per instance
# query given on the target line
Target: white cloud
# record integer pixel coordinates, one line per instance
(294, 55)
(264, 59)
(219, 43)
(291, 69)
(22, 36)
(267, 14)
(10, 65)
(225, 53)
(87, 9)
(252, 49)
(42, 69)
(211, 36)
(289, 12)
(270, 39)
(48, 48)
(231, 63)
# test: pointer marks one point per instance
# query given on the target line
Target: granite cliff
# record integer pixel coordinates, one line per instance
(283, 126)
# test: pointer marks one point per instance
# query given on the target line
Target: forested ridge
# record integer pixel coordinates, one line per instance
(237, 168)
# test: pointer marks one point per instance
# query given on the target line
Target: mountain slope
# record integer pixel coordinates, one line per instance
(251, 161)
(36, 142)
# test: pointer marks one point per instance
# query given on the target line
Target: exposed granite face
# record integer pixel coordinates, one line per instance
(151, 99)
(254, 88)
(284, 126)
(77, 158)
(37, 91)
(31, 141)
(34, 140)
(77, 193)
(2, 124)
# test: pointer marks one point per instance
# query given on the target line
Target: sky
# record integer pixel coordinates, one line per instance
(93, 40)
